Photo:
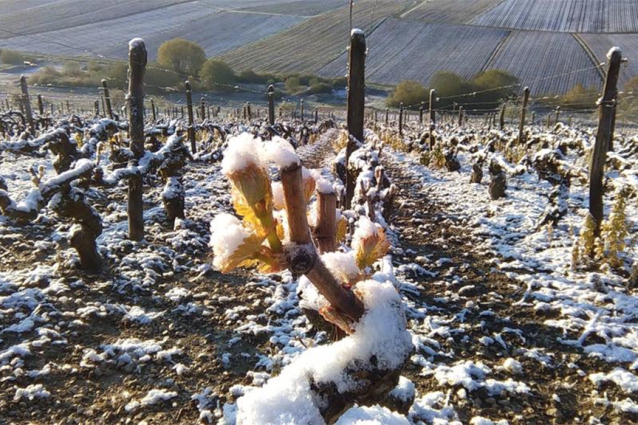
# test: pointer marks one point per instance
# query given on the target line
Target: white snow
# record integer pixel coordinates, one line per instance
(227, 234)
(154, 396)
(380, 332)
(31, 392)
(627, 381)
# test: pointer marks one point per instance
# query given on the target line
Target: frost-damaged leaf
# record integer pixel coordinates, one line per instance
(309, 183)
(251, 186)
(370, 248)
(342, 229)
(248, 214)
(249, 253)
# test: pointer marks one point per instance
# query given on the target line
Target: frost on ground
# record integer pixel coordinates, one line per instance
(503, 329)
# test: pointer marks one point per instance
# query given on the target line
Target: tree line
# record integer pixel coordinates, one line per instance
(177, 61)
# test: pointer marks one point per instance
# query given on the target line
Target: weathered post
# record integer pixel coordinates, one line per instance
(432, 109)
(604, 135)
(569, 121)
(26, 102)
(326, 230)
(401, 119)
(356, 104)
(202, 109)
(387, 116)
(271, 105)
(316, 116)
(549, 120)
(533, 117)
(153, 111)
(421, 110)
(249, 111)
(40, 105)
(107, 99)
(521, 127)
(68, 107)
(460, 116)
(96, 108)
(557, 114)
(137, 67)
(191, 120)
(501, 118)
(302, 111)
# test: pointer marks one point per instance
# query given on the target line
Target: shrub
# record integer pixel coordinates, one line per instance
(249, 76)
(215, 72)
(500, 84)
(47, 75)
(447, 83)
(182, 56)
(10, 57)
(293, 85)
(159, 76)
(409, 93)
(319, 87)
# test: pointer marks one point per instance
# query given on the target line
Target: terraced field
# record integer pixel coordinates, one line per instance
(298, 7)
(408, 39)
(39, 16)
(451, 12)
(424, 49)
(549, 63)
(617, 16)
(306, 48)
(217, 32)
(599, 44)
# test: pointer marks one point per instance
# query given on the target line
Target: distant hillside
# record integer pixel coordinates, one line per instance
(550, 45)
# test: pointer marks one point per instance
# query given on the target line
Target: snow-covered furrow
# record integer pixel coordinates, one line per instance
(592, 311)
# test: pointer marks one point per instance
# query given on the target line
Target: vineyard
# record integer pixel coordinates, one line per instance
(588, 16)
(419, 57)
(270, 266)
(529, 39)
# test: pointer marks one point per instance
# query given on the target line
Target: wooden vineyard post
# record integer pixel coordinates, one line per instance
(557, 114)
(137, 67)
(40, 105)
(533, 118)
(356, 104)
(249, 111)
(153, 111)
(421, 110)
(26, 102)
(432, 109)
(189, 107)
(460, 116)
(96, 108)
(202, 109)
(107, 100)
(521, 126)
(387, 116)
(569, 121)
(401, 119)
(501, 118)
(549, 120)
(302, 111)
(316, 116)
(604, 134)
(326, 230)
(271, 105)
(103, 104)
(68, 107)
